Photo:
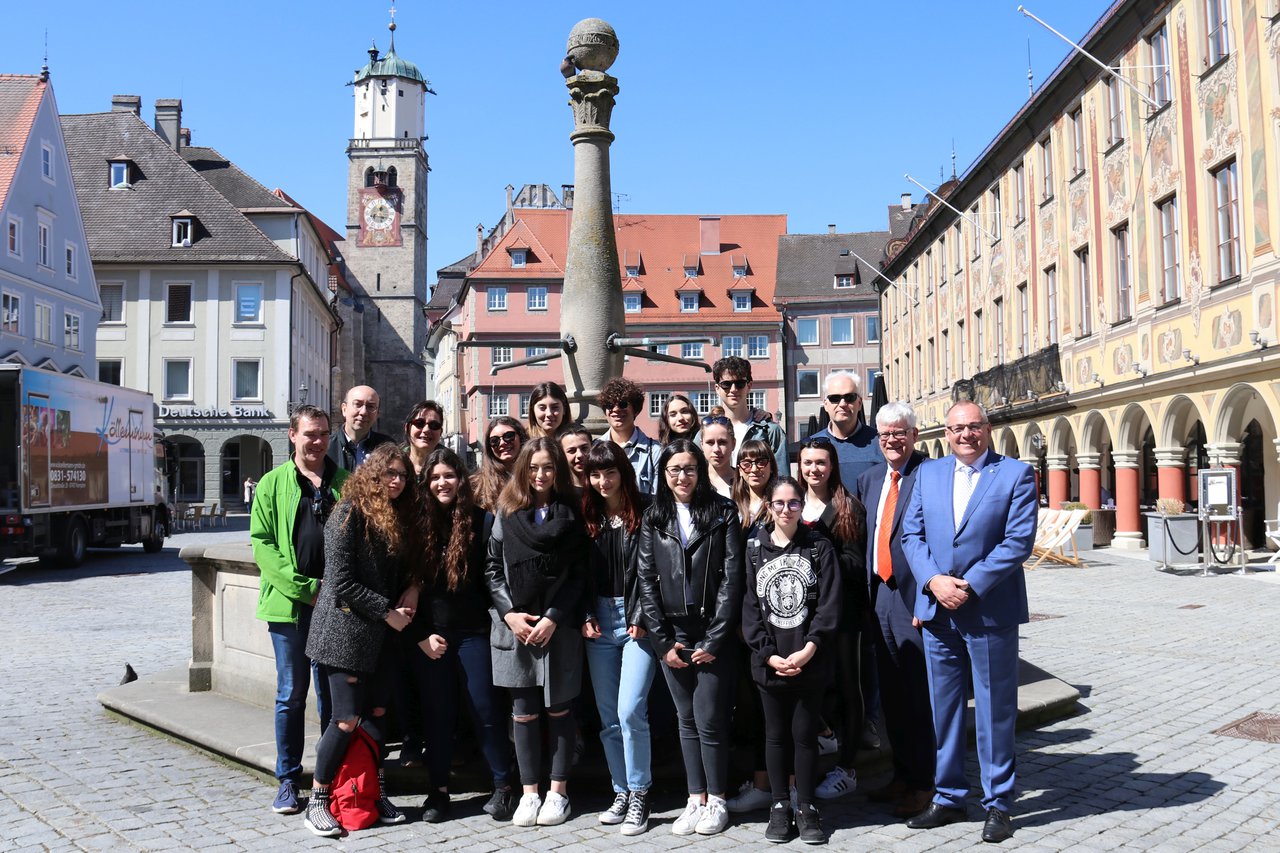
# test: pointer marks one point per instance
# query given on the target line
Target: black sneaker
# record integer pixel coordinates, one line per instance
(319, 819)
(436, 807)
(501, 805)
(779, 828)
(810, 825)
(637, 819)
(615, 814)
(387, 811)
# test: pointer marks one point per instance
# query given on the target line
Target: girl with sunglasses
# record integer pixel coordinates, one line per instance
(503, 439)
(757, 468)
(422, 431)
(452, 630)
(679, 420)
(548, 411)
(368, 543)
(789, 618)
(619, 655)
(717, 445)
(536, 574)
(690, 570)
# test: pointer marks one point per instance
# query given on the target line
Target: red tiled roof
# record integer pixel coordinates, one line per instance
(524, 234)
(20, 96)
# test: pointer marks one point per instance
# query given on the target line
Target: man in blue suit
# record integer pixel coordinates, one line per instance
(968, 530)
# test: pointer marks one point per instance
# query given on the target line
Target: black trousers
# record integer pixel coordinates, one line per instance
(904, 689)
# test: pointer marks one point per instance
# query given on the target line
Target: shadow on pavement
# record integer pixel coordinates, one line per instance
(99, 562)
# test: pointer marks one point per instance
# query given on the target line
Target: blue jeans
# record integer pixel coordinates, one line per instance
(294, 674)
(622, 671)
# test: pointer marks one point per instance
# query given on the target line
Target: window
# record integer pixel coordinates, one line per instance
(110, 371)
(691, 350)
(248, 303)
(535, 299)
(757, 346)
(71, 331)
(178, 307)
(928, 366)
(529, 352)
(1082, 293)
(742, 301)
(633, 271)
(1170, 251)
(112, 296)
(119, 173)
(182, 231)
(963, 341)
(497, 299)
(46, 162)
(702, 401)
(807, 330)
(689, 302)
(1227, 202)
(631, 303)
(11, 309)
(499, 405)
(1124, 291)
(1217, 32)
(15, 237)
(246, 374)
(1077, 140)
(841, 330)
(42, 245)
(1019, 192)
(44, 322)
(998, 308)
(843, 281)
(731, 345)
(1115, 111)
(72, 273)
(946, 359)
(502, 355)
(1046, 169)
(517, 258)
(806, 383)
(1024, 320)
(1161, 76)
(740, 270)
(979, 339)
(997, 213)
(658, 403)
(756, 399)
(1051, 298)
(955, 247)
(928, 272)
(977, 242)
(691, 271)
(873, 328)
(177, 379)
(523, 402)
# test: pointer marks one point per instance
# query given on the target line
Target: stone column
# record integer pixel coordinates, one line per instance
(591, 307)
(1090, 465)
(1059, 480)
(1170, 469)
(1128, 520)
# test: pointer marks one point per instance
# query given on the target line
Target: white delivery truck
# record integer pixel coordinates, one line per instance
(77, 467)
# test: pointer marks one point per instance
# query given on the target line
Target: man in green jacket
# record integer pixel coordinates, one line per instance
(286, 528)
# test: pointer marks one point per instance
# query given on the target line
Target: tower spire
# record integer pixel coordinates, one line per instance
(392, 26)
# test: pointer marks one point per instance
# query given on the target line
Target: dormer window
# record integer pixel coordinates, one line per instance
(518, 257)
(631, 303)
(689, 302)
(742, 300)
(739, 264)
(120, 177)
(740, 272)
(182, 232)
(631, 263)
(633, 272)
(844, 281)
(691, 263)
(691, 272)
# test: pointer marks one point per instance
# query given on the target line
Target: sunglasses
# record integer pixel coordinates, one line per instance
(758, 464)
(836, 399)
(621, 406)
(319, 506)
(795, 505)
(496, 441)
(716, 419)
(423, 423)
(731, 384)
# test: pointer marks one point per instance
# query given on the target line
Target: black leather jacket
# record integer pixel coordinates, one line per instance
(713, 563)
(630, 578)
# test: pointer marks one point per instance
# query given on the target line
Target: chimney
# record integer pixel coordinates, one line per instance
(831, 228)
(185, 136)
(479, 241)
(169, 120)
(906, 201)
(566, 196)
(709, 235)
(126, 104)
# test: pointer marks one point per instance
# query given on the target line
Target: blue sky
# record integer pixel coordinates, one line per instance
(812, 109)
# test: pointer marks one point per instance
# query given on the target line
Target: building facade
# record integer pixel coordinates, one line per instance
(215, 294)
(48, 297)
(1110, 292)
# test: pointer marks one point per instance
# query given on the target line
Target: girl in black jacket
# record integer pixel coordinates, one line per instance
(690, 569)
(367, 540)
(789, 619)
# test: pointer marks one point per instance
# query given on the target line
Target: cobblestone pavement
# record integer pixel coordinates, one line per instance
(1139, 768)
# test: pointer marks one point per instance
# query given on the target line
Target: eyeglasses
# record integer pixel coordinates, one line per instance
(794, 505)
(961, 429)
(675, 472)
(716, 419)
(496, 441)
(621, 406)
(731, 384)
(423, 423)
(393, 474)
(758, 464)
(891, 435)
(837, 399)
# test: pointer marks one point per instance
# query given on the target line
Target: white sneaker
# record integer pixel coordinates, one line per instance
(749, 798)
(837, 783)
(527, 812)
(828, 744)
(715, 817)
(554, 811)
(687, 823)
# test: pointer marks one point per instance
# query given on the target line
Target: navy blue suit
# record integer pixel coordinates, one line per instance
(987, 549)
(899, 646)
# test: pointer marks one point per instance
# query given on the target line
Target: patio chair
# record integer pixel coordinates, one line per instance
(1055, 548)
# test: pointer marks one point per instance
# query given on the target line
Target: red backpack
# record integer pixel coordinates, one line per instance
(353, 797)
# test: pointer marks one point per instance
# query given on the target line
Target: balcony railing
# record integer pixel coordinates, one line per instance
(385, 142)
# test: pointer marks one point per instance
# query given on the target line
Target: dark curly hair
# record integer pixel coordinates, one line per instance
(366, 491)
(446, 530)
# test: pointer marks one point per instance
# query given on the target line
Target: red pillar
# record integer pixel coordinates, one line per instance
(1090, 481)
(1059, 487)
(1127, 518)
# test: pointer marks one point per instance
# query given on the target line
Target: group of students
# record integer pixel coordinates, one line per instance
(694, 554)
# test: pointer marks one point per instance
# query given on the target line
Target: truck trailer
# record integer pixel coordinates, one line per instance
(77, 467)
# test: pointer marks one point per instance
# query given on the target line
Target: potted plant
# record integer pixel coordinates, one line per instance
(1084, 533)
(1173, 535)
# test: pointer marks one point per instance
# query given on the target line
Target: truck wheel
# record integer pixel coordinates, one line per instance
(159, 530)
(71, 552)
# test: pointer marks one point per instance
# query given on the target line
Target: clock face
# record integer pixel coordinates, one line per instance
(378, 214)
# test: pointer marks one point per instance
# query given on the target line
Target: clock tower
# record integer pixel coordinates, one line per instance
(386, 245)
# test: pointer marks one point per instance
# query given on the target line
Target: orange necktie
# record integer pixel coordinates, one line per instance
(884, 557)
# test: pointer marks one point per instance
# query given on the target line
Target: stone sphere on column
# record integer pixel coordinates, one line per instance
(593, 45)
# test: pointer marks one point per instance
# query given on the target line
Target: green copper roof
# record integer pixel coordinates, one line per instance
(392, 65)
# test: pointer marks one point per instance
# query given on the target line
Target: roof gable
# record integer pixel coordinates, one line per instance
(808, 264)
(541, 263)
(20, 97)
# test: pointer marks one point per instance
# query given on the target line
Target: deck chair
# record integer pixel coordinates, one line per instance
(1055, 549)
(1049, 523)
(1273, 534)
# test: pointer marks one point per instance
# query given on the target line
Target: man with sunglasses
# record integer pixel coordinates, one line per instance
(357, 437)
(621, 400)
(286, 529)
(732, 378)
(857, 445)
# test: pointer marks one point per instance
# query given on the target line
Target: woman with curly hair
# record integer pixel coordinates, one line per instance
(422, 431)
(548, 411)
(757, 468)
(503, 439)
(536, 572)
(452, 629)
(368, 542)
(679, 420)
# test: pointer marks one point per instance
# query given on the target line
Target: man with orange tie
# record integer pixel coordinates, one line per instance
(885, 490)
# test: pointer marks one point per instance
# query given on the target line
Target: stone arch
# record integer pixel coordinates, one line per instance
(1244, 435)
(1179, 416)
(1095, 434)
(939, 450)
(1006, 443)
(1240, 404)
(245, 456)
(1062, 438)
(1134, 422)
(188, 462)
